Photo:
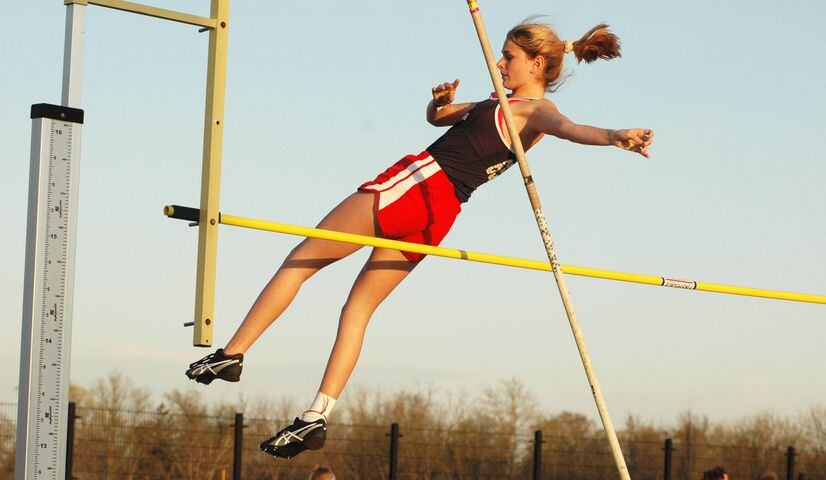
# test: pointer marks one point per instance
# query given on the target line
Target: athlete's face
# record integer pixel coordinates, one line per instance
(515, 66)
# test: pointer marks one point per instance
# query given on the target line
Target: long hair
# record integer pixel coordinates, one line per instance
(540, 39)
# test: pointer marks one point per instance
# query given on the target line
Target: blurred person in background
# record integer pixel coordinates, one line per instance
(322, 473)
(716, 473)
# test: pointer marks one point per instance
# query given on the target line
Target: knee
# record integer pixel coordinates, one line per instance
(355, 315)
(299, 263)
(297, 251)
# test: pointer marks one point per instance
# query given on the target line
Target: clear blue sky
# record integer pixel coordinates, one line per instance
(323, 95)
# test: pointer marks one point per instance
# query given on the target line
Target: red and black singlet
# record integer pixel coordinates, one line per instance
(473, 151)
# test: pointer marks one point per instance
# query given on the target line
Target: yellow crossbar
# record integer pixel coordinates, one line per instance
(508, 261)
(149, 11)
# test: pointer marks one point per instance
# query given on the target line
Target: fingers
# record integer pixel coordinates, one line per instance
(445, 92)
(446, 86)
(646, 136)
(634, 140)
(644, 151)
(637, 140)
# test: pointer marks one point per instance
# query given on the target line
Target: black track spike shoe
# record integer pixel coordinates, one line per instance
(296, 438)
(217, 365)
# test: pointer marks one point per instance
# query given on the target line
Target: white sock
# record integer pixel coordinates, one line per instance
(320, 408)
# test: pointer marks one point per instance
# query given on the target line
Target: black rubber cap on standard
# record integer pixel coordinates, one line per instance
(57, 112)
(185, 213)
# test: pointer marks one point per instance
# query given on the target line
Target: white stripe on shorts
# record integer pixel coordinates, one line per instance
(395, 187)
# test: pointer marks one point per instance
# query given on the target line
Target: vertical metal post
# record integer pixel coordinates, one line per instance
(790, 454)
(688, 463)
(73, 54)
(669, 450)
(238, 446)
(211, 175)
(70, 439)
(537, 455)
(394, 452)
(51, 237)
(48, 290)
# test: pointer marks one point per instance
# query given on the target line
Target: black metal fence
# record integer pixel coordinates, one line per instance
(115, 444)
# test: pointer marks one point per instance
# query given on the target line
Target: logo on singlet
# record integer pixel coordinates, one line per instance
(494, 171)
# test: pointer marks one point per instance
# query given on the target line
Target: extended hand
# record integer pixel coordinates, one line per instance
(634, 140)
(445, 93)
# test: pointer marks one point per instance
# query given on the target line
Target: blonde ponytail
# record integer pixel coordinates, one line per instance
(597, 43)
(539, 39)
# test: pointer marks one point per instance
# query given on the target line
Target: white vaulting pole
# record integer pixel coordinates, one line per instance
(519, 151)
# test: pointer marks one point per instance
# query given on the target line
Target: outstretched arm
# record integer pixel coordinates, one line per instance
(441, 111)
(547, 119)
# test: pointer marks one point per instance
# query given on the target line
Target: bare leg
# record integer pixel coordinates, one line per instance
(353, 215)
(381, 274)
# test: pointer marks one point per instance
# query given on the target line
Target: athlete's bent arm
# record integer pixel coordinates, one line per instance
(447, 115)
(441, 111)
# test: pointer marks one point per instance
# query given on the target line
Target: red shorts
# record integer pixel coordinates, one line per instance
(415, 202)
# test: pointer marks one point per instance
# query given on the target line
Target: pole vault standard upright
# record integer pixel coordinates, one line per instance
(533, 196)
(51, 236)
